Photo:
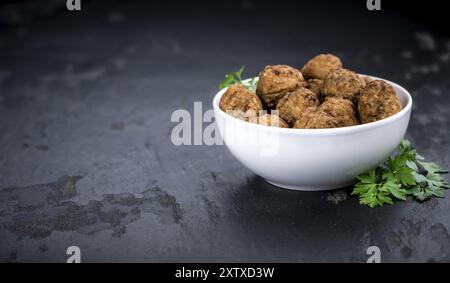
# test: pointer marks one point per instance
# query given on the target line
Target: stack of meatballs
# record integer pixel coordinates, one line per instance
(322, 95)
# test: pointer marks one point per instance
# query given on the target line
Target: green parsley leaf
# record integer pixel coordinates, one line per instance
(236, 78)
(392, 187)
(431, 167)
(375, 191)
(420, 179)
(412, 165)
(404, 174)
(238, 73)
(368, 177)
(251, 84)
(232, 78)
(400, 170)
(229, 80)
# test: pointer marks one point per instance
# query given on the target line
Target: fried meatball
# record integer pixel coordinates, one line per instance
(311, 118)
(275, 81)
(314, 85)
(367, 79)
(294, 103)
(377, 101)
(343, 83)
(240, 102)
(270, 120)
(343, 110)
(319, 66)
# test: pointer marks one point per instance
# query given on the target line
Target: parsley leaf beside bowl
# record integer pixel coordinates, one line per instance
(404, 174)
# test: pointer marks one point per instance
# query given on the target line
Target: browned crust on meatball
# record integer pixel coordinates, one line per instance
(342, 110)
(275, 81)
(366, 79)
(240, 102)
(314, 85)
(343, 83)
(377, 101)
(311, 118)
(292, 105)
(319, 66)
(270, 120)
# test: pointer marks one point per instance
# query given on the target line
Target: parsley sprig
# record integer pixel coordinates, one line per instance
(236, 78)
(405, 174)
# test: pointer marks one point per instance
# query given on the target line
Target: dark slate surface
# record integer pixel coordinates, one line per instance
(85, 151)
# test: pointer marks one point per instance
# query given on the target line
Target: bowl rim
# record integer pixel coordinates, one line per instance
(327, 131)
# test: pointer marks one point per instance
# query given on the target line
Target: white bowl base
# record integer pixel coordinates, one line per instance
(308, 189)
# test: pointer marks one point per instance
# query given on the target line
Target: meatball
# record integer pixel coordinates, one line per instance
(377, 101)
(270, 120)
(314, 85)
(294, 103)
(240, 102)
(319, 66)
(311, 118)
(342, 110)
(343, 83)
(275, 81)
(367, 79)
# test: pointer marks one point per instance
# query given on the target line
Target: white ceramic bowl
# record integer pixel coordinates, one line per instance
(313, 159)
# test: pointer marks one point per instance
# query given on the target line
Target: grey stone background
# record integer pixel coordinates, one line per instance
(85, 151)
